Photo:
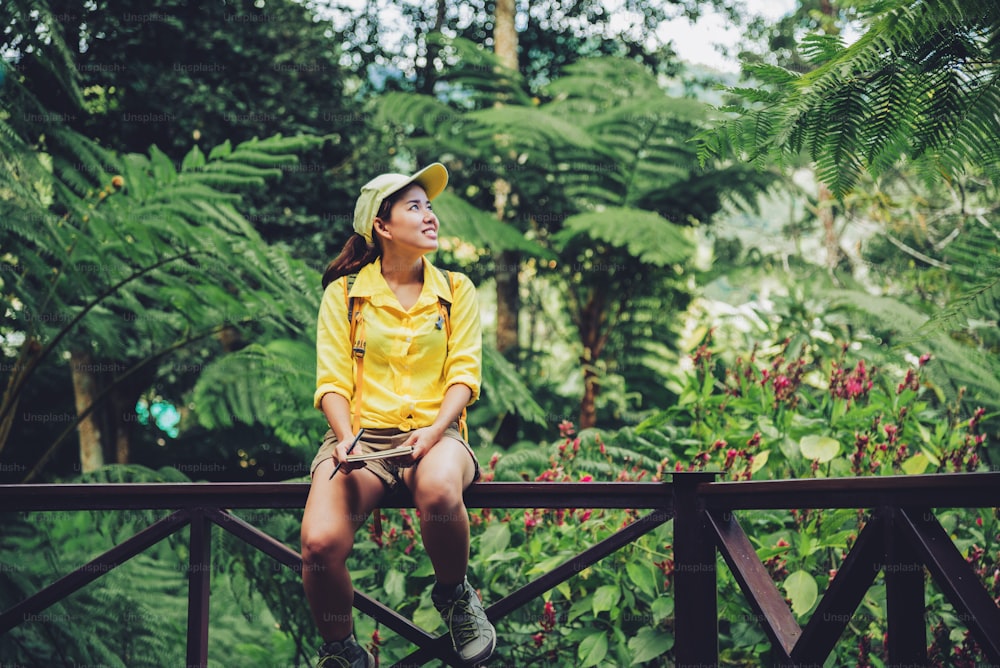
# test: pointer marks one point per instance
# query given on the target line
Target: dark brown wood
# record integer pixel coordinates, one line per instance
(199, 589)
(956, 578)
(171, 496)
(768, 604)
(906, 632)
(842, 597)
(913, 537)
(939, 490)
(92, 570)
(696, 626)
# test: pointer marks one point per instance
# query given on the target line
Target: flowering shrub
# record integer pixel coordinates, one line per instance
(781, 415)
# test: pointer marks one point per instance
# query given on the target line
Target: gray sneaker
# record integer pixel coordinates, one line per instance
(472, 635)
(347, 654)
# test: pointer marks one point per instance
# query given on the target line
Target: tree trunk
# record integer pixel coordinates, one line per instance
(428, 77)
(824, 204)
(508, 262)
(85, 389)
(592, 326)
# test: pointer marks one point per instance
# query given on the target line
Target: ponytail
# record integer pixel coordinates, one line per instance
(355, 255)
(356, 252)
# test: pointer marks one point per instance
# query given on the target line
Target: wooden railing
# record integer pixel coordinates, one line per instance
(901, 539)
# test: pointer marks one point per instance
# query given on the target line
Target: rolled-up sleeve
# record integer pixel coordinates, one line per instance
(334, 361)
(465, 347)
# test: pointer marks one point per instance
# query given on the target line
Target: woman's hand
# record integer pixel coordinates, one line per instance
(340, 456)
(422, 440)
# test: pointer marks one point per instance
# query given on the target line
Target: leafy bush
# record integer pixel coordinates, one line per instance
(796, 409)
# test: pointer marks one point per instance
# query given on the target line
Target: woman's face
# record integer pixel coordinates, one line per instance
(411, 222)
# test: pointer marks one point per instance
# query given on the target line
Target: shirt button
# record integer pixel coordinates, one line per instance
(409, 338)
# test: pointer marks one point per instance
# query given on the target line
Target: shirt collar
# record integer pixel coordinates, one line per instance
(370, 283)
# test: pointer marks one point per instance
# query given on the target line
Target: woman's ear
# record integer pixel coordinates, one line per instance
(379, 227)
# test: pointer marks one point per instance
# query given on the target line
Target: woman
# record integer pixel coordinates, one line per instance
(416, 378)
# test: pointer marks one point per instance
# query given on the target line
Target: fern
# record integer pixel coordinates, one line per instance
(136, 614)
(632, 229)
(920, 83)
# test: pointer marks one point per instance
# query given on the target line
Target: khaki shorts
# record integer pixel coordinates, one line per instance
(373, 440)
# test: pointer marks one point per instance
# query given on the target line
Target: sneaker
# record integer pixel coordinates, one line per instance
(472, 635)
(346, 654)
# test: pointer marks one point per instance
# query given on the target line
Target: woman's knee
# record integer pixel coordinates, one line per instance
(325, 544)
(438, 500)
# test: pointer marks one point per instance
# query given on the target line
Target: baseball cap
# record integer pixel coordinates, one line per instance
(433, 178)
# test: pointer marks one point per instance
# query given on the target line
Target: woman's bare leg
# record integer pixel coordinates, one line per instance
(437, 484)
(334, 511)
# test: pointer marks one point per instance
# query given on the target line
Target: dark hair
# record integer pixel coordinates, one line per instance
(356, 253)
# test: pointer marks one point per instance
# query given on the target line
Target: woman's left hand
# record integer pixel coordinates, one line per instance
(422, 440)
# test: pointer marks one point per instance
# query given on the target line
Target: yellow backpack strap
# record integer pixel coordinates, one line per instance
(358, 343)
(445, 308)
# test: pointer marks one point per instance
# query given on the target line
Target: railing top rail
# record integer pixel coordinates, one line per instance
(123, 496)
(933, 490)
(936, 490)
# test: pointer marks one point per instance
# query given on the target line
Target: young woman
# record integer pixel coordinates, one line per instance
(418, 344)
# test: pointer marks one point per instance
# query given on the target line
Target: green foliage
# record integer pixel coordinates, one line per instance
(148, 258)
(919, 85)
(135, 614)
(602, 175)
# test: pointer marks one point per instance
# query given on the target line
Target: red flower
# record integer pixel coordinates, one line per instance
(548, 616)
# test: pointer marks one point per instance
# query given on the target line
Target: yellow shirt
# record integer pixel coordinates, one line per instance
(409, 362)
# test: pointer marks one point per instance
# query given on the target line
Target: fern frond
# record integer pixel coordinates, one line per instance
(646, 235)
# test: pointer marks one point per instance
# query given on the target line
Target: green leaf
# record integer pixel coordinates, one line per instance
(641, 575)
(759, 460)
(801, 588)
(662, 608)
(916, 464)
(593, 649)
(649, 643)
(395, 587)
(427, 618)
(647, 236)
(193, 160)
(495, 539)
(606, 597)
(820, 448)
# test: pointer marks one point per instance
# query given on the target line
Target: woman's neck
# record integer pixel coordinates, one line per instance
(402, 270)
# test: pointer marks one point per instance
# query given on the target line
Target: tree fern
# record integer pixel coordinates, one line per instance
(921, 83)
(156, 255)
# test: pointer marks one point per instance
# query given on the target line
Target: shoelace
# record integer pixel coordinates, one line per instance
(464, 631)
(341, 661)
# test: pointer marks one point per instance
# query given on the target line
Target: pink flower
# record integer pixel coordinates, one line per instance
(548, 616)
(586, 478)
(566, 429)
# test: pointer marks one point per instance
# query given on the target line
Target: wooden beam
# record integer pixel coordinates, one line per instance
(768, 604)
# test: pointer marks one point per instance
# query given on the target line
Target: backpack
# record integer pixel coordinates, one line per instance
(358, 343)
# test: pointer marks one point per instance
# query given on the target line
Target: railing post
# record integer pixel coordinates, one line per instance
(904, 596)
(696, 617)
(199, 588)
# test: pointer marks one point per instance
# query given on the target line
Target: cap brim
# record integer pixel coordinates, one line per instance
(433, 179)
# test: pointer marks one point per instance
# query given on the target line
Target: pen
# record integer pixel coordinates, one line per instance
(349, 450)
